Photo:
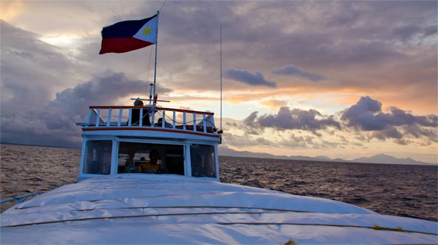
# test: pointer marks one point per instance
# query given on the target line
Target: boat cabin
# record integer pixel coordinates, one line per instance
(149, 139)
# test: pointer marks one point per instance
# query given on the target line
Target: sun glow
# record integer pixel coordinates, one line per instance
(61, 40)
(10, 9)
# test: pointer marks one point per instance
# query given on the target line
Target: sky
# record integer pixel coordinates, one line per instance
(342, 79)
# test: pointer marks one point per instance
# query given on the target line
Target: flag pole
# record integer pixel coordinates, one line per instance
(155, 70)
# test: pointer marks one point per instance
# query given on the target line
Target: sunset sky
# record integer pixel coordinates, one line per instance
(342, 79)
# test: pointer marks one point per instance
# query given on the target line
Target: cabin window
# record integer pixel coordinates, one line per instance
(134, 158)
(203, 161)
(98, 157)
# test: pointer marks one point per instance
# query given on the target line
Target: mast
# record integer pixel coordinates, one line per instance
(156, 50)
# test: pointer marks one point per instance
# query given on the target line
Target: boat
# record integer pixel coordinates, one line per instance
(150, 175)
(183, 201)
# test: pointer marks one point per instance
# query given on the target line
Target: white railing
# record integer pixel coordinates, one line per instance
(151, 117)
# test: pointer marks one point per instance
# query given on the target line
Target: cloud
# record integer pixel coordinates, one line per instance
(26, 61)
(361, 115)
(287, 119)
(295, 71)
(247, 77)
(390, 132)
(406, 32)
(38, 103)
(250, 120)
(51, 119)
(72, 103)
(430, 30)
(367, 115)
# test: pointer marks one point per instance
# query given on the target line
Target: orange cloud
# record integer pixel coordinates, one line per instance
(274, 104)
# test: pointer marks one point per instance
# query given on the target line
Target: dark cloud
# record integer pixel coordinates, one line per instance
(194, 22)
(418, 132)
(430, 30)
(361, 115)
(342, 14)
(406, 32)
(250, 119)
(249, 125)
(367, 115)
(322, 35)
(247, 77)
(389, 133)
(104, 89)
(57, 117)
(28, 63)
(285, 119)
(295, 71)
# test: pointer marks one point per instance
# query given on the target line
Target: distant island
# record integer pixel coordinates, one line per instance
(223, 151)
(380, 158)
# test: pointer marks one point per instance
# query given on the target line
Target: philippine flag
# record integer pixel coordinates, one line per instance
(129, 35)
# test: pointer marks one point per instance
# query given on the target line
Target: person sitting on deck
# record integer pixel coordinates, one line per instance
(136, 115)
(160, 123)
(152, 166)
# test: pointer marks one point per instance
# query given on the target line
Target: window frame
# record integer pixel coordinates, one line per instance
(84, 159)
(215, 160)
(115, 162)
(115, 153)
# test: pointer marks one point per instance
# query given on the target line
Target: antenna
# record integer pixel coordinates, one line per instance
(156, 50)
(220, 34)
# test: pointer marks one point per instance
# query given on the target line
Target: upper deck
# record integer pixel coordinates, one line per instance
(147, 121)
(136, 139)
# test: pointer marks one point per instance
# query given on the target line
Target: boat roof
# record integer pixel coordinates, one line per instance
(136, 208)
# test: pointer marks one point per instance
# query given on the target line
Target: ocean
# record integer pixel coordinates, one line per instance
(402, 190)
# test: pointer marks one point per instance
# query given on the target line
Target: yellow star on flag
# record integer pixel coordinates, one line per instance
(146, 31)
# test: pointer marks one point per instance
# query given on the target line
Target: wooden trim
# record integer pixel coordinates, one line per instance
(149, 129)
(149, 107)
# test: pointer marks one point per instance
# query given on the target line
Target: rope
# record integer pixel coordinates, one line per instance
(162, 6)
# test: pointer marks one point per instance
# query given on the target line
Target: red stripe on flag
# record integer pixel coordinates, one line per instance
(122, 45)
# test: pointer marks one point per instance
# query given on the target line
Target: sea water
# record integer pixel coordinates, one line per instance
(402, 190)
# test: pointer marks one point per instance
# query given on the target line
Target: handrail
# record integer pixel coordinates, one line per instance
(151, 107)
(110, 117)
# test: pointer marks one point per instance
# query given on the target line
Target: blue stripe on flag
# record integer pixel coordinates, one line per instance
(123, 29)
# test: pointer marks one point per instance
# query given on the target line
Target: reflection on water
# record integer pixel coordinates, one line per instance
(402, 190)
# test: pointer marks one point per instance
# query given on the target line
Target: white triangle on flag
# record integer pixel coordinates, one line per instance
(148, 32)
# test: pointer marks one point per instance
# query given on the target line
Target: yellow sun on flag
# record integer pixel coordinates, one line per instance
(146, 31)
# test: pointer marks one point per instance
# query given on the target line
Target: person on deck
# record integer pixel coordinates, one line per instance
(160, 123)
(152, 166)
(136, 115)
